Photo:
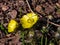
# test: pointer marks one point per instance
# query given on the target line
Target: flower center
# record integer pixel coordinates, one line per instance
(30, 20)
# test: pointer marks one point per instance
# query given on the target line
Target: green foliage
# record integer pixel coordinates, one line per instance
(44, 30)
(3, 29)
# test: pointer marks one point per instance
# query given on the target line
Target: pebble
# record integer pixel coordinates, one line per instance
(4, 8)
(13, 14)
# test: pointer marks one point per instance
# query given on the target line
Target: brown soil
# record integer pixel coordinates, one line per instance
(15, 9)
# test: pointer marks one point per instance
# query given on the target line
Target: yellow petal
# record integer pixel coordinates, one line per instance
(12, 26)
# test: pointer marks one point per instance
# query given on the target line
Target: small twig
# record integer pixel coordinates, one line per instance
(53, 23)
(47, 22)
(7, 38)
(29, 6)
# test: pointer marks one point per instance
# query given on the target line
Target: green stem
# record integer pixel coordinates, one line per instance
(42, 40)
(23, 38)
(46, 41)
(6, 32)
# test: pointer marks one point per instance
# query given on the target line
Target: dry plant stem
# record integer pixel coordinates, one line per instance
(53, 23)
(29, 6)
(7, 38)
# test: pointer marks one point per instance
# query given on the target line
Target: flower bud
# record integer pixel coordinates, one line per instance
(12, 26)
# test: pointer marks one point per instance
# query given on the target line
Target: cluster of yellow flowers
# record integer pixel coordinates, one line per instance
(27, 21)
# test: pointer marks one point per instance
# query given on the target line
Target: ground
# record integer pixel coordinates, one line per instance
(45, 32)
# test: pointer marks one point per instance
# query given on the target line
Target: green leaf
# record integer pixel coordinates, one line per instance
(1, 26)
(3, 29)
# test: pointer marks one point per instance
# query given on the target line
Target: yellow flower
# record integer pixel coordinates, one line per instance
(29, 20)
(12, 26)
